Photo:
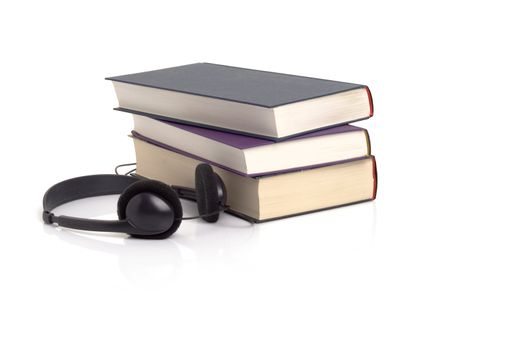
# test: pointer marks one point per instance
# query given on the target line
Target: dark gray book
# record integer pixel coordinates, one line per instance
(258, 103)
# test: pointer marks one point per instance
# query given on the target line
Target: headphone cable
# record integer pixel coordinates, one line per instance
(123, 165)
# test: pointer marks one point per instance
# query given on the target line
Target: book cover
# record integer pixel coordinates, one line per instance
(241, 85)
(244, 142)
(138, 136)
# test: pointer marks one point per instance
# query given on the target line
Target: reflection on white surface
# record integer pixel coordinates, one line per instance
(156, 260)
(160, 261)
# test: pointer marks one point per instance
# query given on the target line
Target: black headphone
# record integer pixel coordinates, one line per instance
(146, 209)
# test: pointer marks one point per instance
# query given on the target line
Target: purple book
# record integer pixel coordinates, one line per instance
(250, 156)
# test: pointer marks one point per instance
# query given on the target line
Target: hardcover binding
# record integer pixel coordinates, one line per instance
(210, 71)
(374, 171)
(257, 221)
(264, 137)
(368, 144)
(370, 101)
(138, 136)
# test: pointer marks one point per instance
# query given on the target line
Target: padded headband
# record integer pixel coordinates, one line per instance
(84, 187)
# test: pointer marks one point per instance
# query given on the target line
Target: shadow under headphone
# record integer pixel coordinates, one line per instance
(146, 209)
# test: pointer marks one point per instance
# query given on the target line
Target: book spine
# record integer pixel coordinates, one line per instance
(374, 171)
(370, 101)
(368, 144)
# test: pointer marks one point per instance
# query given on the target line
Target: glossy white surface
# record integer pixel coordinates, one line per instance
(437, 261)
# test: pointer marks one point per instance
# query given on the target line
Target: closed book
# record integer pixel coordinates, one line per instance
(265, 104)
(250, 156)
(272, 196)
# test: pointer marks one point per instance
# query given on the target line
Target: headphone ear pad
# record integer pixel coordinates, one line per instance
(160, 189)
(206, 192)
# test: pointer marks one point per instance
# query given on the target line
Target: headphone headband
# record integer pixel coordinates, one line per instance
(84, 187)
(146, 208)
(101, 185)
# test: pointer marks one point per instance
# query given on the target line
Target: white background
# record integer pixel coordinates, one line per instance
(437, 261)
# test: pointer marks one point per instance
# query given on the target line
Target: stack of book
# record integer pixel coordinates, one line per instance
(281, 143)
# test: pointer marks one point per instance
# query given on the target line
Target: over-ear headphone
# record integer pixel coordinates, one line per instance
(146, 209)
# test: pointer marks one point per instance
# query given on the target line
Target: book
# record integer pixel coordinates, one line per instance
(258, 103)
(251, 156)
(264, 198)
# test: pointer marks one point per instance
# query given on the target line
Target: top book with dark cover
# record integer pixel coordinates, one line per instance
(259, 103)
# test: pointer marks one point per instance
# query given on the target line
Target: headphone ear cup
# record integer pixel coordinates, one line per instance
(160, 189)
(206, 192)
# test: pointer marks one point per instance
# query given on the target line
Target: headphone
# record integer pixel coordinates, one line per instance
(146, 209)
